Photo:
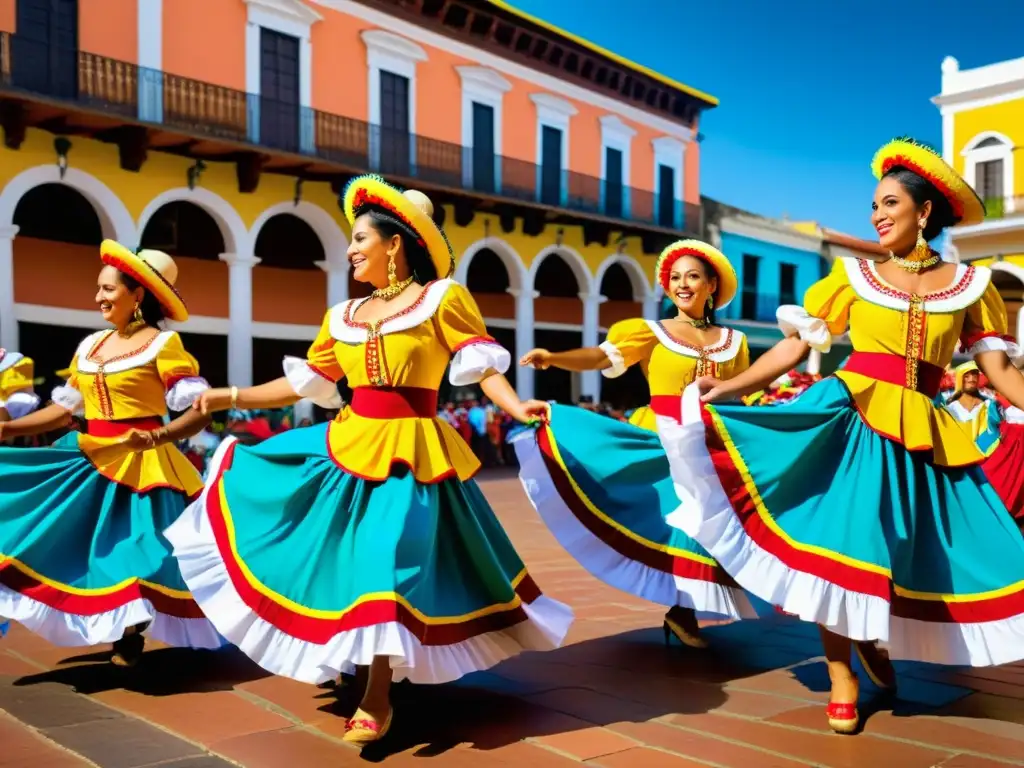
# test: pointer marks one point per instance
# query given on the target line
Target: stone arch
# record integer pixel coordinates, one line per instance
(1016, 272)
(637, 276)
(985, 136)
(584, 279)
(236, 236)
(517, 274)
(115, 220)
(332, 236)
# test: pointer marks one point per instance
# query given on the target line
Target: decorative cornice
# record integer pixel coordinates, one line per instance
(382, 41)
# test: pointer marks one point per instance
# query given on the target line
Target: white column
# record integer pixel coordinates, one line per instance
(8, 319)
(151, 78)
(337, 279)
(524, 339)
(240, 323)
(651, 303)
(591, 380)
(814, 362)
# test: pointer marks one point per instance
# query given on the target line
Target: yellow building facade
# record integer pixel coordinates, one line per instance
(982, 112)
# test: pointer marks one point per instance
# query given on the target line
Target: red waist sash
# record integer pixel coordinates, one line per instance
(394, 402)
(668, 405)
(892, 369)
(101, 428)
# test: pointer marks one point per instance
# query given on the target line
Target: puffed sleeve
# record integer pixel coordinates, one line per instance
(825, 313)
(179, 372)
(986, 326)
(628, 342)
(475, 354)
(317, 376)
(67, 395)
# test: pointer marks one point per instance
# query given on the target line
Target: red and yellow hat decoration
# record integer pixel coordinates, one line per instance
(925, 162)
(154, 270)
(411, 207)
(727, 283)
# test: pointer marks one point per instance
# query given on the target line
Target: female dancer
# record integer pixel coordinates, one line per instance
(860, 506)
(603, 486)
(17, 386)
(84, 558)
(365, 541)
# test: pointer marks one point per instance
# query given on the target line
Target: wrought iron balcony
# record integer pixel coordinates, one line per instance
(161, 100)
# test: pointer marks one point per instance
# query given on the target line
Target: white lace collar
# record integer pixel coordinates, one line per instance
(349, 331)
(138, 359)
(969, 283)
(725, 349)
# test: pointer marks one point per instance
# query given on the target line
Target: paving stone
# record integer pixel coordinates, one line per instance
(644, 757)
(22, 747)
(122, 743)
(588, 743)
(49, 705)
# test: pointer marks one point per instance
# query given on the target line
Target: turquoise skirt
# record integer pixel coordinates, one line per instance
(83, 558)
(810, 509)
(603, 489)
(311, 571)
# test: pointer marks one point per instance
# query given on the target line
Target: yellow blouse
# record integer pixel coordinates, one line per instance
(668, 363)
(882, 318)
(411, 349)
(143, 384)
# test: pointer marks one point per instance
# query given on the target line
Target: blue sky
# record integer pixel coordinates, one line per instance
(809, 89)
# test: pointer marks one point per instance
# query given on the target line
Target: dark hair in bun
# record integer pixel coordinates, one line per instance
(417, 258)
(920, 189)
(151, 309)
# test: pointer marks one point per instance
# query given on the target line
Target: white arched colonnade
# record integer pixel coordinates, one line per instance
(522, 286)
(117, 223)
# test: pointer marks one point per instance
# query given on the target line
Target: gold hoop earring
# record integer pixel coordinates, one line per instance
(138, 322)
(394, 287)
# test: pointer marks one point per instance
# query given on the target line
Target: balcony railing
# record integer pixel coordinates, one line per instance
(173, 102)
(1003, 207)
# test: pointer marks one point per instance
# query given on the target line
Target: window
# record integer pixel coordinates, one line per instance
(394, 124)
(666, 196)
(989, 178)
(613, 186)
(787, 284)
(988, 166)
(483, 147)
(748, 299)
(551, 166)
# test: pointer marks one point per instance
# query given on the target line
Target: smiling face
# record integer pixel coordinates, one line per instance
(116, 302)
(370, 253)
(689, 285)
(896, 217)
(971, 381)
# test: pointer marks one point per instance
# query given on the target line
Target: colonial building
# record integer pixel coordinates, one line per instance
(982, 113)
(222, 132)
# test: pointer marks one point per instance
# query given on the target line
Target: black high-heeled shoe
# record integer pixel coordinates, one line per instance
(128, 650)
(672, 626)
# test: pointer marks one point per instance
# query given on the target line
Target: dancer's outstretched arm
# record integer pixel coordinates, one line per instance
(582, 359)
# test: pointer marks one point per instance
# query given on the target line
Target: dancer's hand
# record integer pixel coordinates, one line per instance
(531, 410)
(536, 358)
(712, 389)
(213, 400)
(139, 440)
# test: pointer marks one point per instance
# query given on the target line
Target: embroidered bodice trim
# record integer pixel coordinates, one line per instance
(969, 283)
(350, 331)
(725, 349)
(89, 363)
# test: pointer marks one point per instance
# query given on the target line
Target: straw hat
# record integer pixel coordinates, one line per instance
(154, 270)
(924, 161)
(727, 283)
(411, 207)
